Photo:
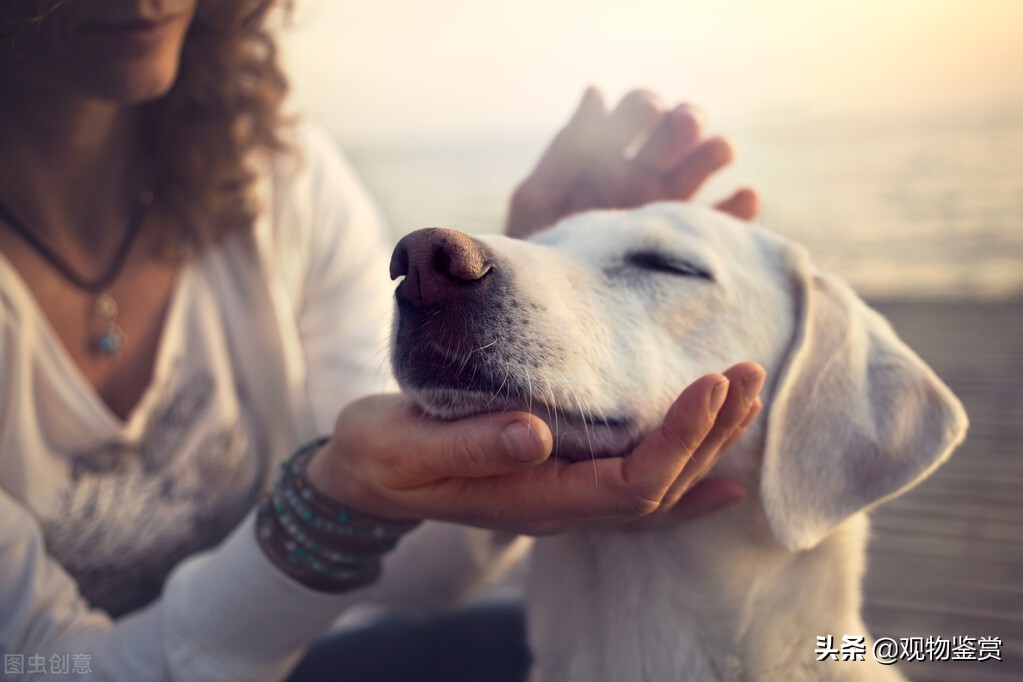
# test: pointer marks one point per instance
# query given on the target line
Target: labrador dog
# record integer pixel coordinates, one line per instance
(595, 326)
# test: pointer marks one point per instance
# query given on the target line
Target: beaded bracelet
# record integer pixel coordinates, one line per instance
(323, 544)
(307, 570)
(323, 513)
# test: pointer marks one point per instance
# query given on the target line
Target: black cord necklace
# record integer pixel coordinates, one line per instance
(110, 339)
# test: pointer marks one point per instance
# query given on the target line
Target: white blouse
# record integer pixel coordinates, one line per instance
(267, 337)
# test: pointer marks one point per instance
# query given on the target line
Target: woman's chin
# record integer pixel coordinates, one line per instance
(132, 83)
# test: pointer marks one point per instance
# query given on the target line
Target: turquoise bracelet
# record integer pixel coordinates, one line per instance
(324, 544)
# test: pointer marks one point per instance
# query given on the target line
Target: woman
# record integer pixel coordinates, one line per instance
(190, 290)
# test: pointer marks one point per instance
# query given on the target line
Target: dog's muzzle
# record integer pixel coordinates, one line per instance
(449, 305)
(462, 344)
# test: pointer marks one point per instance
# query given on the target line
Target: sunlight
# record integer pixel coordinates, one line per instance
(450, 66)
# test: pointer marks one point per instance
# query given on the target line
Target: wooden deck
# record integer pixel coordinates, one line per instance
(946, 559)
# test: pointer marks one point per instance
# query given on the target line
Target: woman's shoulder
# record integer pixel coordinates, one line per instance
(311, 187)
(314, 172)
(318, 221)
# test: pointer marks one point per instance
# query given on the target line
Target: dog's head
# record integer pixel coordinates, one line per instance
(598, 323)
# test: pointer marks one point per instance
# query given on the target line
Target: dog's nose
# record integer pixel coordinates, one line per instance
(439, 266)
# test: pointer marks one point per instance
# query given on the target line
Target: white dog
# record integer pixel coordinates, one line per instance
(595, 326)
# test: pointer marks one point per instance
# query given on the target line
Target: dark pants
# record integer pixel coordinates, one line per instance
(485, 643)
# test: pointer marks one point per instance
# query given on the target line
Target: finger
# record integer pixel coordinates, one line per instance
(638, 111)
(706, 497)
(565, 157)
(634, 485)
(669, 143)
(743, 204)
(754, 410)
(474, 447)
(708, 157)
(652, 467)
(607, 169)
(745, 380)
(542, 197)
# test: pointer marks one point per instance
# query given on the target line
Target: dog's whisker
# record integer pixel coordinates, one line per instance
(586, 430)
(465, 361)
(484, 347)
(529, 392)
(552, 405)
(466, 341)
(426, 323)
(379, 356)
(497, 393)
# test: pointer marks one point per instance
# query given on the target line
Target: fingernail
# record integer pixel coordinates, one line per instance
(521, 442)
(751, 385)
(717, 397)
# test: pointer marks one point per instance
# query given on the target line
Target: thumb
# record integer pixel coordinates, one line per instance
(484, 445)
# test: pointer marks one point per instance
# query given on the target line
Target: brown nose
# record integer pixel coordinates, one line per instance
(440, 266)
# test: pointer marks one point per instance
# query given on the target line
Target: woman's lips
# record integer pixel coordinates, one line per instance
(135, 32)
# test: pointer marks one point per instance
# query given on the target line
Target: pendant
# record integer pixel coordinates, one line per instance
(110, 340)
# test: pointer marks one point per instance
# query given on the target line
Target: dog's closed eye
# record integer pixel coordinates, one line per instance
(658, 261)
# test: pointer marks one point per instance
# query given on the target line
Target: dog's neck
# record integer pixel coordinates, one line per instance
(718, 598)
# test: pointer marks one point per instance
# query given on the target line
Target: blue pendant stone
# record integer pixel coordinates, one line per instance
(110, 342)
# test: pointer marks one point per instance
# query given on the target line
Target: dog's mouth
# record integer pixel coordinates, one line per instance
(577, 435)
(448, 388)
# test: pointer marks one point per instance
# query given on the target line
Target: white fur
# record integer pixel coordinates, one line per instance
(851, 418)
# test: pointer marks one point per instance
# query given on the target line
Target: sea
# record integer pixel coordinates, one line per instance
(929, 208)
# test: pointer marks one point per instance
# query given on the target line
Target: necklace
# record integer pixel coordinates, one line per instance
(109, 340)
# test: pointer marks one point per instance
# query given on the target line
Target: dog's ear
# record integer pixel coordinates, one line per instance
(856, 417)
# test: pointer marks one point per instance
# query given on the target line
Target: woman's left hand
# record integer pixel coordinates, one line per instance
(590, 164)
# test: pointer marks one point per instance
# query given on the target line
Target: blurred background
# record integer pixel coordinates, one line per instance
(887, 135)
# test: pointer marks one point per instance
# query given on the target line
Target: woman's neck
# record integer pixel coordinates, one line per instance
(66, 164)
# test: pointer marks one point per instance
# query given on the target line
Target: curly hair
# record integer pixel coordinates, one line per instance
(223, 110)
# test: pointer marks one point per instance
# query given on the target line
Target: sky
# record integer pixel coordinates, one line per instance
(460, 67)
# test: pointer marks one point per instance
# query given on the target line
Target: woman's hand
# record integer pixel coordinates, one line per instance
(590, 163)
(493, 470)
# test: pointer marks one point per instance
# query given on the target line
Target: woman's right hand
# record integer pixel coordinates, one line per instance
(586, 166)
(389, 460)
